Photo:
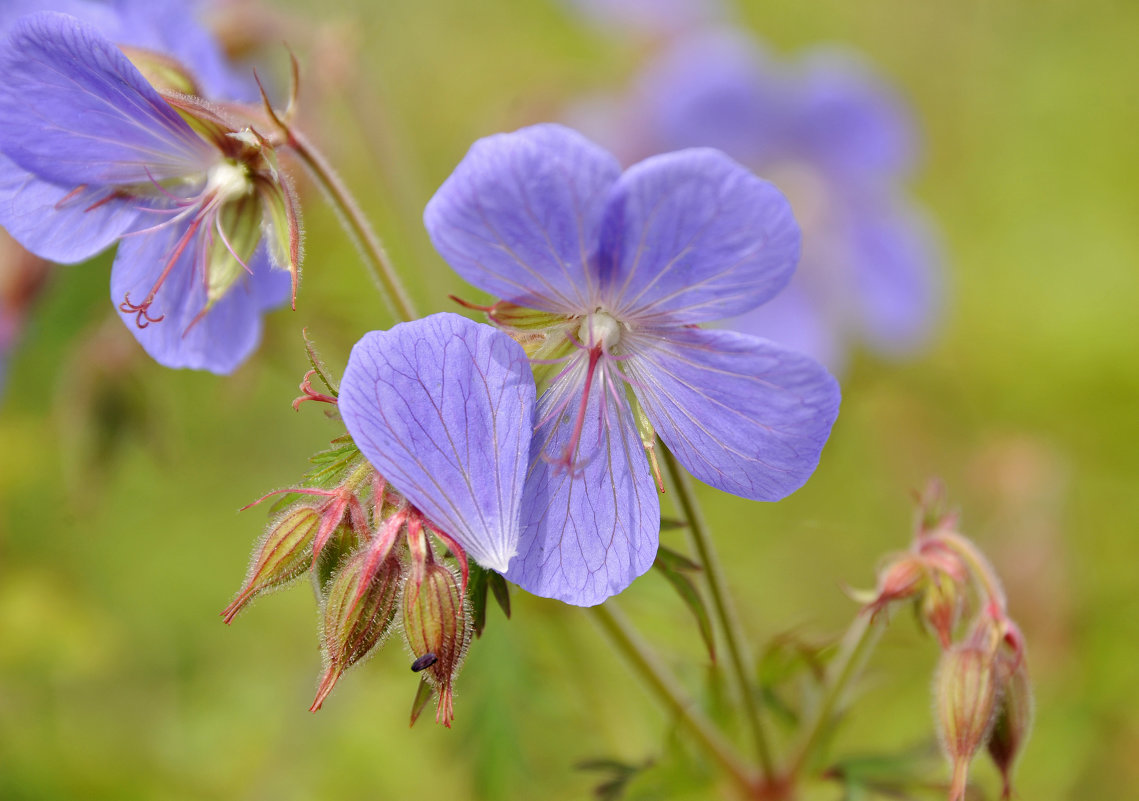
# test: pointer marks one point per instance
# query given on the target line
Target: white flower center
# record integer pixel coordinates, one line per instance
(228, 181)
(601, 329)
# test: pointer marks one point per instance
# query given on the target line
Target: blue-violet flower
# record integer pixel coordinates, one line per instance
(620, 269)
(94, 152)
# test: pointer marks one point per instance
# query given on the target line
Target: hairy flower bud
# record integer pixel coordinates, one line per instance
(358, 613)
(435, 621)
(965, 697)
(941, 606)
(902, 578)
(1013, 720)
(283, 554)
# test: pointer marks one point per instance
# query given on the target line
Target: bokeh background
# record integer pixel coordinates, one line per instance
(119, 480)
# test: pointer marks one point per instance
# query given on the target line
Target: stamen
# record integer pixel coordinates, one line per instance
(69, 196)
(566, 459)
(142, 310)
(228, 246)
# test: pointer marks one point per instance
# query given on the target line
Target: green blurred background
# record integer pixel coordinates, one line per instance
(119, 481)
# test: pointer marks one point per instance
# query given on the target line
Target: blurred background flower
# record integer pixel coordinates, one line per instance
(839, 141)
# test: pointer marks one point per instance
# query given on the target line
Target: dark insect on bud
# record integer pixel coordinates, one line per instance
(424, 662)
(436, 623)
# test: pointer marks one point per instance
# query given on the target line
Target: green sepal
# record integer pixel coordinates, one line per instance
(501, 591)
(477, 597)
(675, 567)
(228, 259)
(422, 698)
(282, 222)
(161, 71)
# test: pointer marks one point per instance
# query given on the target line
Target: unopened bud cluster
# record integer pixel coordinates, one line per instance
(982, 693)
(374, 569)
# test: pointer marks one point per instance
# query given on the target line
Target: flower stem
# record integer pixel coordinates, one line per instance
(357, 226)
(721, 605)
(856, 645)
(669, 692)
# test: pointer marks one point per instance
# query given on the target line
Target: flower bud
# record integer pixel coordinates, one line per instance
(941, 606)
(283, 554)
(1013, 721)
(900, 579)
(357, 615)
(965, 697)
(435, 621)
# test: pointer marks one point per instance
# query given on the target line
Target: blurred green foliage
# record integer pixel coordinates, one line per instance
(119, 536)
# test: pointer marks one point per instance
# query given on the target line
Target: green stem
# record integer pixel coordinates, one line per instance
(357, 226)
(721, 605)
(855, 648)
(669, 692)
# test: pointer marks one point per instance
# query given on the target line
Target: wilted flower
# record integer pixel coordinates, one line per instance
(622, 268)
(94, 153)
(839, 142)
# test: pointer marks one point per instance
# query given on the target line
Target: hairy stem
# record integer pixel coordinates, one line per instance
(357, 226)
(669, 692)
(721, 606)
(856, 645)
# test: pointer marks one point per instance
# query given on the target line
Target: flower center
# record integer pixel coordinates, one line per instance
(228, 181)
(599, 329)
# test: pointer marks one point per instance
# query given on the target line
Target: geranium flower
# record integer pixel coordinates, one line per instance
(620, 269)
(443, 408)
(94, 153)
(840, 142)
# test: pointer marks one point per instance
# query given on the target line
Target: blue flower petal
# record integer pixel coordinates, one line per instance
(693, 236)
(740, 413)
(519, 216)
(57, 223)
(443, 407)
(587, 534)
(74, 110)
(847, 119)
(714, 89)
(218, 342)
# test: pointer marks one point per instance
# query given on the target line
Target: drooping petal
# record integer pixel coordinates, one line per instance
(58, 223)
(895, 275)
(222, 338)
(740, 413)
(74, 110)
(519, 217)
(586, 532)
(693, 236)
(443, 407)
